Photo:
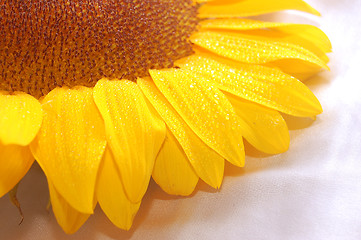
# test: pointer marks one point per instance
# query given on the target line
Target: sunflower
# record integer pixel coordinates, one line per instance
(105, 95)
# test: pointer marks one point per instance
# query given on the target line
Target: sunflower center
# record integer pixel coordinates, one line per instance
(46, 44)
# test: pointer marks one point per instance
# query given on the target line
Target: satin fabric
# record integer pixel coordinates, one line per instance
(313, 191)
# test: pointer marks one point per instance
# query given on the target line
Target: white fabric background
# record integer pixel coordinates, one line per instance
(311, 192)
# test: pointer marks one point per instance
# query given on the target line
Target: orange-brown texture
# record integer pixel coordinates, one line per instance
(51, 43)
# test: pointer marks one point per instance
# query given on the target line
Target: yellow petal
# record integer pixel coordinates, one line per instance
(172, 170)
(264, 128)
(307, 36)
(286, 36)
(297, 69)
(237, 24)
(208, 165)
(134, 133)
(70, 145)
(242, 48)
(266, 86)
(205, 109)
(243, 8)
(15, 161)
(304, 35)
(202, 1)
(20, 118)
(111, 196)
(67, 217)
